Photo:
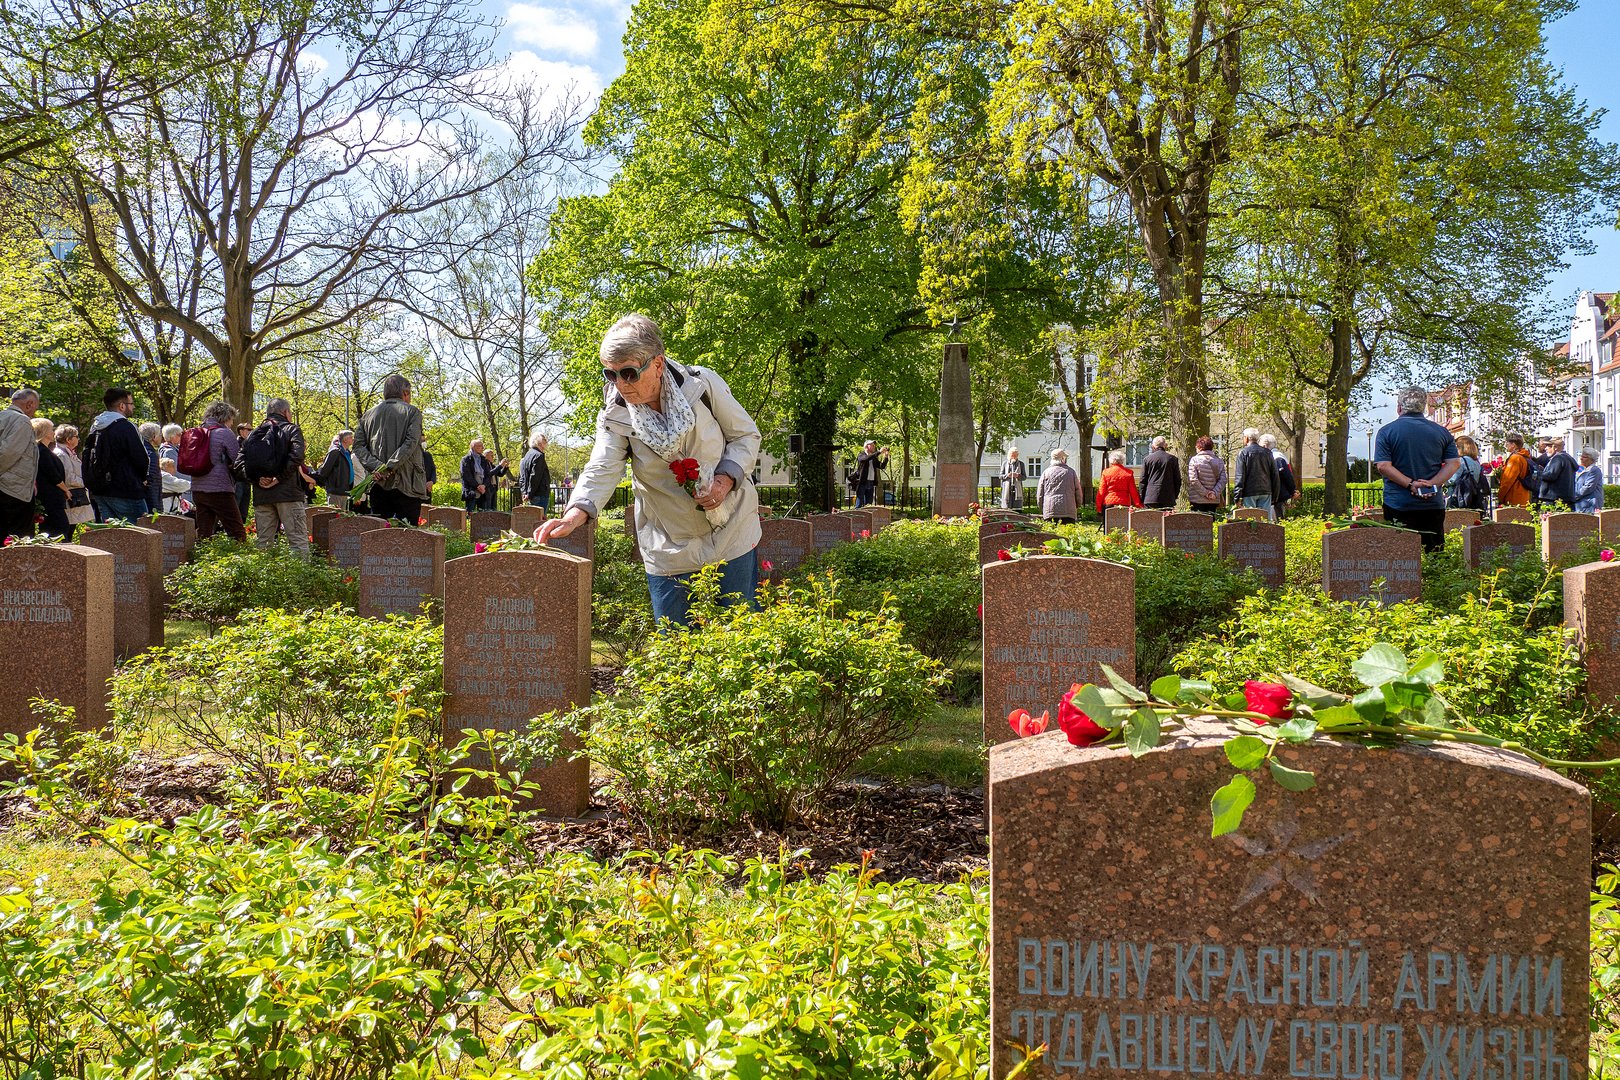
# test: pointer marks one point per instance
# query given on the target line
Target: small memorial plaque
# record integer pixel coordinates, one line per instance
(517, 644)
(1420, 914)
(1608, 525)
(1259, 545)
(56, 632)
(452, 518)
(1116, 518)
(1050, 622)
(1513, 515)
(1190, 532)
(1251, 513)
(860, 524)
(580, 543)
(1355, 560)
(953, 489)
(991, 546)
(882, 518)
(784, 543)
(314, 517)
(179, 537)
(829, 530)
(1561, 534)
(1457, 519)
(1479, 539)
(1146, 524)
(137, 585)
(526, 519)
(487, 525)
(343, 538)
(399, 570)
(1592, 612)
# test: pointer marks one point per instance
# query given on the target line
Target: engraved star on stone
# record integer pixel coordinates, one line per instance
(1288, 862)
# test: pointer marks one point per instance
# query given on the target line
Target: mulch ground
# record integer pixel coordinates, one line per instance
(932, 833)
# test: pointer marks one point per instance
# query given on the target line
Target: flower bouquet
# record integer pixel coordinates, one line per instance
(692, 475)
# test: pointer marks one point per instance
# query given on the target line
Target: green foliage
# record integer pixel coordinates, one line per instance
(284, 684)
(456, 542)
(1509, 682)
(754, 715)
(257, 946)
(926, 571)
(1526, 582)
(621, 606)
(1302, 550)
(226, 579)
(1611, 496)
(1605, 1004)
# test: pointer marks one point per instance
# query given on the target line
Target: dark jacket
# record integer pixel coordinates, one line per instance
(336, 473)
(154, 480)
(1286, 487)
(474, 471)
(867, 466)
(289, 486)
(1161, 479)
(431, 470)
(1558, 479)
(1256, 471)
(534, 478)
(51, 496)
(119, 444)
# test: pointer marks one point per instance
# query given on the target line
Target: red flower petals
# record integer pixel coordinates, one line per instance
(1080, 728)
(1025, 725)
(1268, 699)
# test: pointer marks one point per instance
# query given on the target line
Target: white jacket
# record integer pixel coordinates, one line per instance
(674, 534)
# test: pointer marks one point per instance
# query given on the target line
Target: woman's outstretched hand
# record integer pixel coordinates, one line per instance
(560, 526)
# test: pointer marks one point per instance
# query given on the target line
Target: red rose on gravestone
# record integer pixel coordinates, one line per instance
(1025, 725)
(1079, 727)
(1004, 555)
(1268, 699)
(1005, 528)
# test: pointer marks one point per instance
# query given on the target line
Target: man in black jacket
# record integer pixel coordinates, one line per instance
(475, 477)
(1558, 476)
(534, 475)
(1161, 476)
(868, 464)
(1255, 474)
(116, 467)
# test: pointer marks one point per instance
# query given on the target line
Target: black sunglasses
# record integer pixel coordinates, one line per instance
(627, 374)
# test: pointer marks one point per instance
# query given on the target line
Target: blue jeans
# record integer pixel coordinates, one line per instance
(1261, 501)
(108, 508)
(739, 583)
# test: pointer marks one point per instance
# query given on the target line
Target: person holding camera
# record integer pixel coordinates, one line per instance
(1416, 456)
(868, 464)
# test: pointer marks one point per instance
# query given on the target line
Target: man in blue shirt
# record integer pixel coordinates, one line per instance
(1416, 456)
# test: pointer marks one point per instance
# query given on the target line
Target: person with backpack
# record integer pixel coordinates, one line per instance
(1515, 479)
(1588, 484)
(1469, 489)
(208, 455)
(271, 458)
(116, 466)
(692, 449)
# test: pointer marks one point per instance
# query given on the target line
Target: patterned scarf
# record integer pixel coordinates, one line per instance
(663, 431)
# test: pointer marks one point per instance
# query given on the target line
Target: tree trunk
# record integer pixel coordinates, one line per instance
(1086, 425)
(1184, 371)
(819, 424)
(236, 378)
(1335, 472)
(905, 456)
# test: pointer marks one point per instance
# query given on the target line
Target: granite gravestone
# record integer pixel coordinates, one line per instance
(526, 519)
(953, 489)
(990, 547)
(784, 543)
(1608, 525)
(1251, 513)
(487, 525)
(517, 644)
(829, 530)
(1420, 913)
(1050, 622)
(581, 543)
(1354, 560)
(179, 538)
(1592, 612)
(1512, 515)
(56, 632)
(137, 585)
(343, 538)
(1146, 524)
(1259, 545)
(1457, 519)
(1561, 534)
(860, 521)
(318, 518)
(453, 518)
(1479, 539)
(1116, 518)
(1190, 532)
(882, 518)
(399, 569)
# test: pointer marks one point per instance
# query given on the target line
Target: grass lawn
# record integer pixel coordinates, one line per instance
(948, 748)
(70, 870)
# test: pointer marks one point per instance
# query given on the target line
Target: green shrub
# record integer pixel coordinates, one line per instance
(1302, 550)
(283, 683)
(754, 714)
(456, 542)
(1508, 681)
(225, 579)
(1611, 496)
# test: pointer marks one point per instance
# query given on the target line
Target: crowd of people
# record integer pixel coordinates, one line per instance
(223, 471)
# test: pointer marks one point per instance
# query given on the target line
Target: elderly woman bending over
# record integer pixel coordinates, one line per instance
(658, 413)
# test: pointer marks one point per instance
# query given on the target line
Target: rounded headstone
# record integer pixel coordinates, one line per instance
(1190, 532)
(1487, 536)
(1258, 545)
(1512, 515)
(137, 585)
(1561, 534)
(399, 570)
(1353, 560)
(453, 518)
(829, 530)
(488, 525)
(343, 533)
(56, 632)
(784, 543)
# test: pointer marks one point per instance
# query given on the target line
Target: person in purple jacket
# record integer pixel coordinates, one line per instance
(214, 492)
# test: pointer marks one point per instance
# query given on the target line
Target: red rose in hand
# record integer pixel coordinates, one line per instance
(1079, 727)
(1025, 725)
(1269, 699)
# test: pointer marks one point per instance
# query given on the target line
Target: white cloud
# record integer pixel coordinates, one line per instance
(555, 79)
(551, 30)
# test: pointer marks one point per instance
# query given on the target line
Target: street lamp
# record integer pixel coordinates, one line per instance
(1369, 454)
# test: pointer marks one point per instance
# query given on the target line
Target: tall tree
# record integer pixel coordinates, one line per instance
(309, 166)
(1422, 172)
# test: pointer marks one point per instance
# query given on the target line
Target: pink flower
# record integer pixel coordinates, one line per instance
(766, 566)
(1025, 725)
(866, 534)
(1606, 555)
(1006, 528)
(480, 548)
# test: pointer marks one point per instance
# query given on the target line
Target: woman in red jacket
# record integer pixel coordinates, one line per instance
(1117, 487)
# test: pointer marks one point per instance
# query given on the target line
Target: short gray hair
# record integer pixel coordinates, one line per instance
(1513, 437)
(150, 432)
(1159, 442)
(22, 394)
(220, 412)
(171, 430)
(1060, 454)
(1116, 457)
(1268, 441)
(395, 386)
(537, 441)
(1412, 399)
(278, 405)
(1587, 454)
(634, 338)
